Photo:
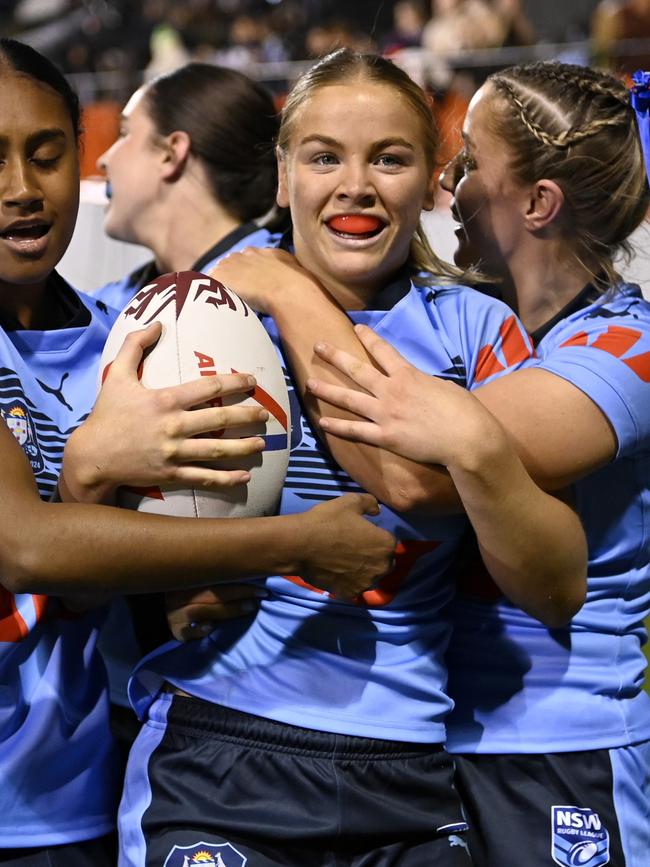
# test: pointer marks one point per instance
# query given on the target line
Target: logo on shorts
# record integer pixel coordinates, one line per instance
(579, 839)
(205, 855)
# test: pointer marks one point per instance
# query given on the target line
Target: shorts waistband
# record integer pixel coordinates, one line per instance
(195, 714)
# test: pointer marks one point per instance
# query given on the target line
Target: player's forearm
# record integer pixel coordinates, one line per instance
(532, 543)
(402, 484)
(69, 549)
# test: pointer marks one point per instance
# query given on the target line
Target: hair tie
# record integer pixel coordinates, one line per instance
(640, 101)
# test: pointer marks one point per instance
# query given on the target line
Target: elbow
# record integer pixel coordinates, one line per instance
(19, 574)
(560, 606)
(26, 553)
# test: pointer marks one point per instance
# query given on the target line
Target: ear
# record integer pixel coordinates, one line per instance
(543, 205)
(176, 150)
(282, 196)
(430, 196)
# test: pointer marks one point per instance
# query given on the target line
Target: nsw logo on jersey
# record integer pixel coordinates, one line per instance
(579, 838)
(19, 421)
(205, 855)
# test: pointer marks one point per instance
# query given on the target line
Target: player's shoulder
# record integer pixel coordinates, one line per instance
(620, 310)
(116, 293)
(460, 297)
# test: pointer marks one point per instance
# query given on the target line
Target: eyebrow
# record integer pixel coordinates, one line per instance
(43, 136)
(332, 142)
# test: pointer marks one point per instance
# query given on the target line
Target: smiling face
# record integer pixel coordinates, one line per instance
(39, 181)
(131, 168)
(356, 178)
(489, 203)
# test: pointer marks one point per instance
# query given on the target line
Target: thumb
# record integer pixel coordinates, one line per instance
(369, 504)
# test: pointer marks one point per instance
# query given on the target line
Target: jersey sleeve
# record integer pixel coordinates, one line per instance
(491, 338)
(610, 363)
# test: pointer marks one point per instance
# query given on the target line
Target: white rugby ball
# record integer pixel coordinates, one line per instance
(206, 330)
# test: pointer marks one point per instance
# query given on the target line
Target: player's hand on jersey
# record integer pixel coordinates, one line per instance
(264, 277)
(400, 408)
(194, 613)
(344, 554)
(145, 436)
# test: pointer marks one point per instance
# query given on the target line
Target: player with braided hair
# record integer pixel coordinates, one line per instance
(551, 727)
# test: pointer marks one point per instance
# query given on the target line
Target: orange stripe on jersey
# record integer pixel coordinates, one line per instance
(487, 364)
(617, 340)
(12, 626)
(579, 339)
(514, 347)
(407, 553)
(640, 364)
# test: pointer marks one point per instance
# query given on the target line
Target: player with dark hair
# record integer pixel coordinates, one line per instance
(59, 770)
(192, 173)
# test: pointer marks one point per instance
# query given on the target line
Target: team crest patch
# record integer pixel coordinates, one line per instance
(18, 420)
(205, 855)
(579, 838)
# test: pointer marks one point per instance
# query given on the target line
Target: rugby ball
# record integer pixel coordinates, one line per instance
(206, 330)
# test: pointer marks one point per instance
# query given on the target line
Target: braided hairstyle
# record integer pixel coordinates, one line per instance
(576, 126)
(232, 124)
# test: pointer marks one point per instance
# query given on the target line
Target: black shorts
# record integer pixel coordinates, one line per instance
(245, 790)
(101, 852)
(580, 808)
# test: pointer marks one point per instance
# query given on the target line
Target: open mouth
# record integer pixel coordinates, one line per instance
(27, 232)
(358, 226)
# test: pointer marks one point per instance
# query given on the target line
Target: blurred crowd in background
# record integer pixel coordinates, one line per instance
(108, 47)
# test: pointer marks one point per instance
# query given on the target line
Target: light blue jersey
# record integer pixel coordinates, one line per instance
(518, 686)
(118, 293)
(56, 754)
(372, 669)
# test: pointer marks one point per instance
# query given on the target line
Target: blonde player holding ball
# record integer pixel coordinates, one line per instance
(313, 732)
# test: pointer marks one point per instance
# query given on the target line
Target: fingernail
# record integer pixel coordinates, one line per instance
(250, 381)
(319, 347)
(311, 384)
(263, 415)
(323, 422)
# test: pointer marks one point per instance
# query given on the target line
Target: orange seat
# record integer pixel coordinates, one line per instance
(101, 122)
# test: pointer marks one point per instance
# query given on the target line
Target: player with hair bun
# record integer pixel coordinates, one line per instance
(192, 175)
(312, 733)
(551, 727)
(57, 759)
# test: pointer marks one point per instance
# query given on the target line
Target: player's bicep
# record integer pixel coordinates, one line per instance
(560, 433)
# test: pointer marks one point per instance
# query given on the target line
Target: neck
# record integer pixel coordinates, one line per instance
(191, 221)
(541, 281)
(27, 304)
(350, 293)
